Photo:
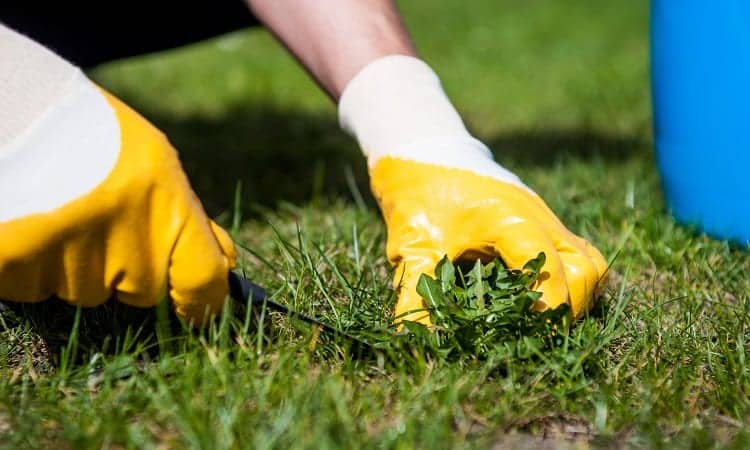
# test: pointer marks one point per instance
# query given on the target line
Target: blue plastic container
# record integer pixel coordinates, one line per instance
(700, 76)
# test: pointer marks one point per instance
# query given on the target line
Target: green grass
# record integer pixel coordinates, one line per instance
(559, 89)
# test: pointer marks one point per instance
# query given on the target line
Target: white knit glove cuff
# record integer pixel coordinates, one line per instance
(59, 138)
(396, 107)
(31, 79)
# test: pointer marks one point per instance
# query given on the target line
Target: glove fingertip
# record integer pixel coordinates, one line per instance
(198, 272)
(553, 295)
(198, 303)
(598, 259)
(225, 243)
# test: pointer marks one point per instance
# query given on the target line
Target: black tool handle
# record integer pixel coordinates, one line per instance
(244, 290)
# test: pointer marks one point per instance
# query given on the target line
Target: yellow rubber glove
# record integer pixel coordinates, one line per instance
(441, 193)
(431, 211)
(95, 204)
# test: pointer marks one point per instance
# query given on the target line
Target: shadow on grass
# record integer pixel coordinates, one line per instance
(106, 328)
(294, 157)
(545, 148)
(113, 328)
(278, 156)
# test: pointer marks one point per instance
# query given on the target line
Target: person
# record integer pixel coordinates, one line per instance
(95, 203)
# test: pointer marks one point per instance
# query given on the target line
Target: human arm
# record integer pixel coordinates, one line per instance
(335, 39)
(440, 191)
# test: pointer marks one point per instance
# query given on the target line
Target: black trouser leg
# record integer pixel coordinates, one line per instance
(90, 33)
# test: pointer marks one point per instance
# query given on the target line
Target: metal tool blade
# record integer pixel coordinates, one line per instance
(245, 291)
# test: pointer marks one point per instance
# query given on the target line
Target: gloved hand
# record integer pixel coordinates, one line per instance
(95, 202)
(442, 194)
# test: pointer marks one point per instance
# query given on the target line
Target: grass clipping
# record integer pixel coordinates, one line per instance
(479, 312)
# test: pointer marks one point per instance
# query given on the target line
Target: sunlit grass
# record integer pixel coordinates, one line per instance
(559, 90)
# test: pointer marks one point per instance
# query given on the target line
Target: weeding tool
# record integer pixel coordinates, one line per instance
(244, 291)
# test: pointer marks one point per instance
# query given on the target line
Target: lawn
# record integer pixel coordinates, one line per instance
(559, 90)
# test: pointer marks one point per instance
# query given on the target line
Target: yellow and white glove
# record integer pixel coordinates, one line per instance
(93, 200)
(441, 193)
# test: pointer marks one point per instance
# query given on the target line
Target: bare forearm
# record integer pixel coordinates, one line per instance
(334, 39)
